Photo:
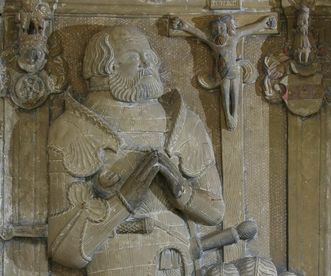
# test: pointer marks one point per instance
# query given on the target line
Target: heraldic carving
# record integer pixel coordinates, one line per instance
(31, 70)
(133, 175)
(295, 76)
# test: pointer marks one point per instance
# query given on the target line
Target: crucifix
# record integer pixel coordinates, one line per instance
(223, 42)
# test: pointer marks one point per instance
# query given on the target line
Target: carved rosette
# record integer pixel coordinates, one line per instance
(34, 69)
(29, 91)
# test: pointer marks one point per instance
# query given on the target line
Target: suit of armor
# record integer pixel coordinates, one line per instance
(83, 228)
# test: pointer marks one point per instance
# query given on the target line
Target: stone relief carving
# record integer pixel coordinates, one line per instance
(225, 36)
(144, 226)
(33, 69)
(301, 45)
(295, 77)
(34, 17)
(132, 173)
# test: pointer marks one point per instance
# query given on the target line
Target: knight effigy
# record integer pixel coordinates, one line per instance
(133, 175)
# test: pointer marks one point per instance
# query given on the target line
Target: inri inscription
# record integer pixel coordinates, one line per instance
(225, 4)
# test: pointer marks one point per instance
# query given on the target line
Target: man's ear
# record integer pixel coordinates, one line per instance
(156, 59)
(111, 67)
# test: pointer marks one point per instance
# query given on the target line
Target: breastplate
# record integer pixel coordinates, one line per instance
(143, 127)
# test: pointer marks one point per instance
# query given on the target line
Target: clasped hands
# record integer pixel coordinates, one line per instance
(134, 189)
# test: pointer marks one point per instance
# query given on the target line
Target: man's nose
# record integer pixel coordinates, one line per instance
(144, 62)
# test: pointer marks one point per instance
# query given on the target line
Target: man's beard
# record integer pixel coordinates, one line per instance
(221, 39)
(143, 87)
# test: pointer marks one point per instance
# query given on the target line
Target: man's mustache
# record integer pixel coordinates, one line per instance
(147, 72)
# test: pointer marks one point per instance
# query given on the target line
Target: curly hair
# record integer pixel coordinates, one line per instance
(227, 20)
(99, 55)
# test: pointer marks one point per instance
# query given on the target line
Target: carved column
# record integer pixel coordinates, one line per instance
(26, 81)
(300, 77)
(309, 184)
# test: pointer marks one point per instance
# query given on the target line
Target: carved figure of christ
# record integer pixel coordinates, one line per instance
(224, 40)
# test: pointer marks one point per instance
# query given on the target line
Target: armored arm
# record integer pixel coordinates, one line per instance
(193, 180)
(200, 197)
(206, 205)
(78, 220)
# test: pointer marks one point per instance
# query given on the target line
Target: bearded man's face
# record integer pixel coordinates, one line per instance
(135, 77)
(220, 33)
(221, 30)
